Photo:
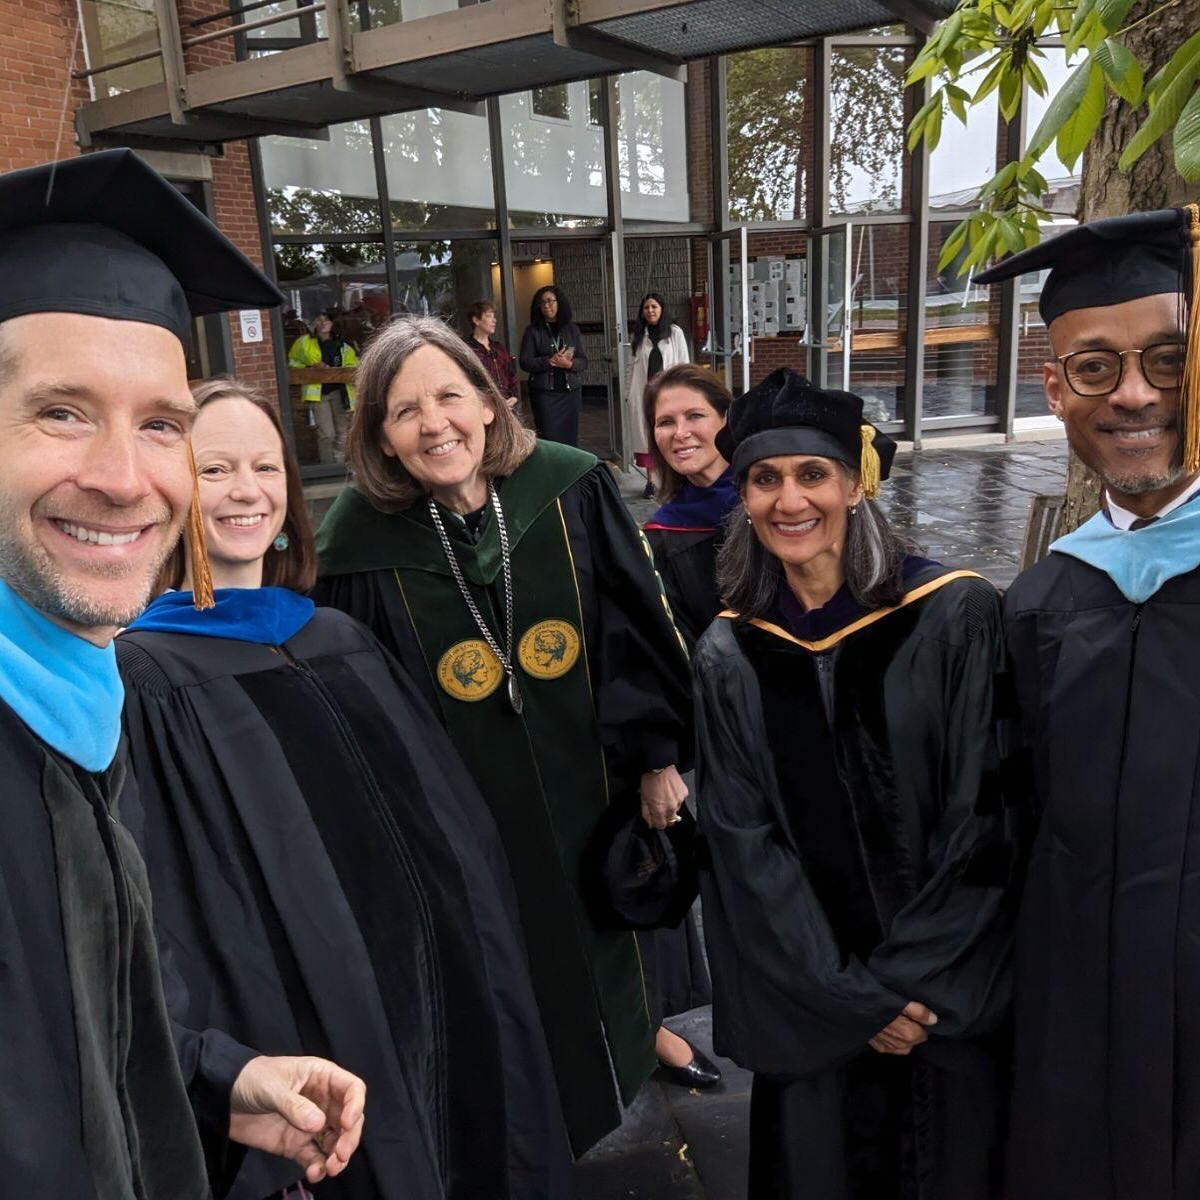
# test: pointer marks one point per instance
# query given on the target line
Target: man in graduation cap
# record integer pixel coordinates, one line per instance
(102, 265)
(1104, 638)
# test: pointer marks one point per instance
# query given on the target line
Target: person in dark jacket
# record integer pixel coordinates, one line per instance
(858, 905)
(552, 352)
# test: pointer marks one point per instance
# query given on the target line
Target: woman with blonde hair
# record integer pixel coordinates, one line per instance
(507, 575)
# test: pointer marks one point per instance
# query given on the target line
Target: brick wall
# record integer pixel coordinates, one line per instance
(35, 42)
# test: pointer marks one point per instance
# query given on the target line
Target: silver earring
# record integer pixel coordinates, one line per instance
(854, 510)
(748, 521)
(281, 542)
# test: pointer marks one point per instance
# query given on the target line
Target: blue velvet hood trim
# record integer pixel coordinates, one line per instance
(268, 616)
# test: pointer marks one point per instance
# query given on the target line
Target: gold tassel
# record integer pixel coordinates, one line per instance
(869, 468)
(202, 584)
(1189, 393)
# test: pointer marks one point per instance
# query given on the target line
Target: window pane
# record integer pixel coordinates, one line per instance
(770, 134)
(552, 102)
(117, 29)
(866, 129)
(1033, 339)
(961, 323)
(595, 104)
(443, 279)
(879, 291)
(322, 187)
(350, 283)
(652, 147)
(554, 169)
(965, 157)
(439, 170)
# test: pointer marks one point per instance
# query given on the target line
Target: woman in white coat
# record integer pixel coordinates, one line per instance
(657, 345)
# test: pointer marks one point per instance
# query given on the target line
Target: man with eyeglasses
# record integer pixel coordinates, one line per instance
(1104, 642)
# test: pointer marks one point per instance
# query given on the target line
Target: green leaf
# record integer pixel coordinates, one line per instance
(1113, 13)
(1035, 78)
(1123, 72)
(917, 127)
(954, 243)
(1167, 106)
(991, 81)
(933, 128)
(1011, 235)
(1078, 128)
(1083, 11)
(923, 70)
(1187, 140)
(1064, 104)
(1176, 63)
(957, 99)
(1010, 94)
(1088, 37)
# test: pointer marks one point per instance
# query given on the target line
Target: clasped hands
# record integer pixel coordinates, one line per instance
(907, 1031)
(563, 359)
(303, 1108)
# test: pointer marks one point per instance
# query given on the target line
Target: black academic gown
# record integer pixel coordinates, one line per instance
(330, 883)
(686, 560)
(624, 707)
(860, 859)
(93, 1103)
(1107, 1101)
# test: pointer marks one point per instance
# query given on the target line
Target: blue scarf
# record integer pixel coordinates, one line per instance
(64, 688)
(268, 616)
(1138, 561)
(698, 508)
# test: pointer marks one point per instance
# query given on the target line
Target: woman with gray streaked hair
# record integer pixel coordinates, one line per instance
(857, 904)
(508, 577)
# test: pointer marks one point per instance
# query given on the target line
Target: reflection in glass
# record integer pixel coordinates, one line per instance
(961, 323)
(877, 319)
(866, 129)
(552, 102)
(439, 170)
(652, 147)
(554, 170)
(118, 29)
(443, 279)
(322, 187)
(770, 133)
(965, 157)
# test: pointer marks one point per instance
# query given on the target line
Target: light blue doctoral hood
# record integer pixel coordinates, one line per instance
(1138, 561)
(65, 689)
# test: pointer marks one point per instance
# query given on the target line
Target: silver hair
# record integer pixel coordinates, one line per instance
(748, 575)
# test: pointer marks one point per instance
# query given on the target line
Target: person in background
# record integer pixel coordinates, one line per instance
(657, 346)
(328, 404)
(859, 901)
(683, 412)
(506, 573)
(104, 1092)
(552, 352)
(323, 867)
(480, 334)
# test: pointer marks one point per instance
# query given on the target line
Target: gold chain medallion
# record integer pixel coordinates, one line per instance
(549, 649)
(470, 670)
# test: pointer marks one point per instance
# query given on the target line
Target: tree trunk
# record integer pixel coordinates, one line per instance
(1152, 183)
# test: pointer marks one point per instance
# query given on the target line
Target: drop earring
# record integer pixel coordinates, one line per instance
(854, 510)
(281, 542)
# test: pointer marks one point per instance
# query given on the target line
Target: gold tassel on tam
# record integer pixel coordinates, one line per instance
(869, 468)
(202, 584)
(1189, 392)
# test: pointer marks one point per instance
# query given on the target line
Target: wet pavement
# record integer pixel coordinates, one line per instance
(967, 506)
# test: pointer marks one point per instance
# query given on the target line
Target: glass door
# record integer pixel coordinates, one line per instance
(827, 336)
(730, 347)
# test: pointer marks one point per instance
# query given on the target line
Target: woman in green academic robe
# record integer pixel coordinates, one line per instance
(507, 575)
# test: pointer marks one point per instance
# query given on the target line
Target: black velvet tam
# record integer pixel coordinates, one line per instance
(786, 414)
(107, 236)
(1106, 262)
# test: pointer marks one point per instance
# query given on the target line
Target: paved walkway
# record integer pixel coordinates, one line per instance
(968, 508)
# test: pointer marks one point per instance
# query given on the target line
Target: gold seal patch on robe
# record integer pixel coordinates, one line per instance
(470, 670)
(549, 649)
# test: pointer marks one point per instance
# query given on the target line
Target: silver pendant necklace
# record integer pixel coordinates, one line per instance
(505, 656)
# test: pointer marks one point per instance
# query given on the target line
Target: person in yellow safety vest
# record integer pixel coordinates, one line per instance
(330, 403)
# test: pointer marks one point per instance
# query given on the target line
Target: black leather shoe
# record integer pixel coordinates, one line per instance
(699, 1073)
(648, 490)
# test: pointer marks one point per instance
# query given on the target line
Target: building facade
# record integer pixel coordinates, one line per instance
(768, 196)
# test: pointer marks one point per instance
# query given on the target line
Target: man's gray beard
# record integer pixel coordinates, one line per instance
(31, 573)
(1139, 485)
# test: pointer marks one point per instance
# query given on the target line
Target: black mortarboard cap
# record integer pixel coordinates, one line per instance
(1125, 258)
(786, 414)
(1106, 262)
(105, 235)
